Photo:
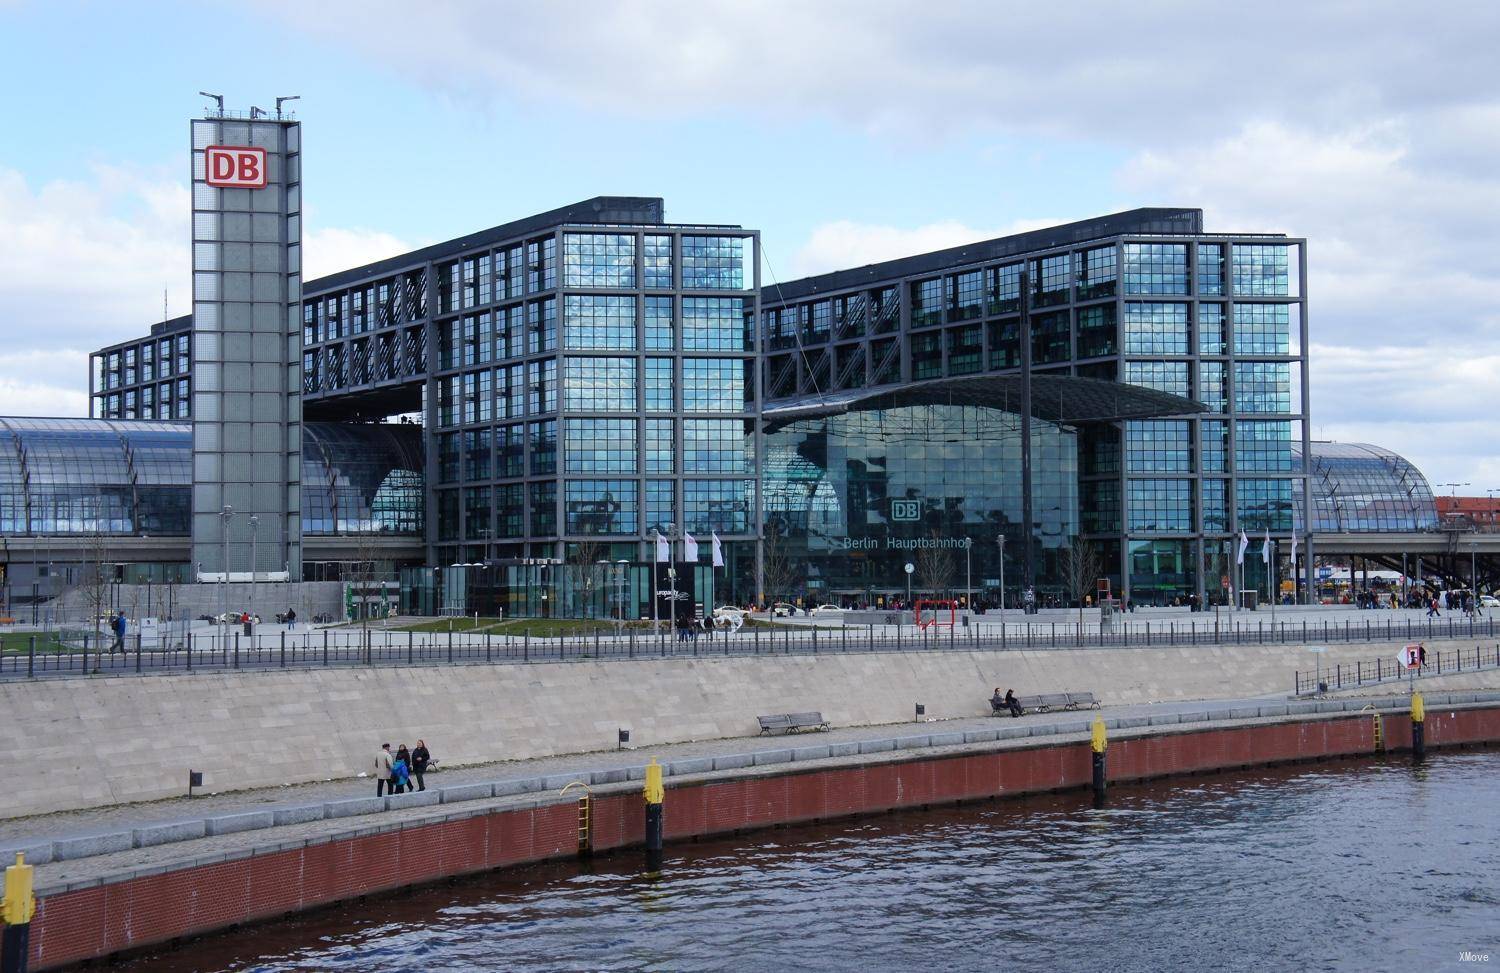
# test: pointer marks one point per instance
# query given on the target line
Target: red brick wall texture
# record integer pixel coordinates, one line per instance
(79, 925)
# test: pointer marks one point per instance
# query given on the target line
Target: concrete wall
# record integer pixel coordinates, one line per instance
(75, 743)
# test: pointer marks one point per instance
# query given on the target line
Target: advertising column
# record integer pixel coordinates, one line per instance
(247, 408)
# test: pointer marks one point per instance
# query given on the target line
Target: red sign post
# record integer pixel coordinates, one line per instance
(235, 166)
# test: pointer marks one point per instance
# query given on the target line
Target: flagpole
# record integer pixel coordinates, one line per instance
(655, 560)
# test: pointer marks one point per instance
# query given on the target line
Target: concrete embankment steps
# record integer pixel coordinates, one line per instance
(767, 752)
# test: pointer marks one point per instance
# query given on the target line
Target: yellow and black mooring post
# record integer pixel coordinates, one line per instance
(655, 795)
(1418, 732)
(1098, 742)
(16, 910)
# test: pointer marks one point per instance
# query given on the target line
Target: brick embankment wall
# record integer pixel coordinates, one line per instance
(79, 743)
(97, 921)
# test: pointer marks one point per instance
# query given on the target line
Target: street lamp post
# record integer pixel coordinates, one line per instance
(254, 531)
(1000, 540)
(968, 574)
(225, 516)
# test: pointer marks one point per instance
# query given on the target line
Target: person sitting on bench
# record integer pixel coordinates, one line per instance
(1011, 703)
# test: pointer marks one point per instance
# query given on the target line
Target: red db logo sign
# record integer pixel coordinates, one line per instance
(235, 166)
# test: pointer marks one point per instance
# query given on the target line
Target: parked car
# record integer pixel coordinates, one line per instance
(826, 611)
(1489, 601)
(783, 610)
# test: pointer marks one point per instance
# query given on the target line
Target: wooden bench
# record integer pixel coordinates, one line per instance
(1046, 703)
(792, 722)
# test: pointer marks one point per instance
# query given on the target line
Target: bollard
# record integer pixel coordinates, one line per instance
(16, 910)
(31, 657)
(655, 795)
(1098, 742)
(1418, 732)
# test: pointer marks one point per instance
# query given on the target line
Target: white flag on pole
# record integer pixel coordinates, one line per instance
(1244, 543)
(689, 548)
(1265, 548)
(718, 551)
(1294, 548)
(663, 549)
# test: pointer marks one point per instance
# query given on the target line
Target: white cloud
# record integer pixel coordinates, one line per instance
(843, 243)
(86, 262)
(1168, 70)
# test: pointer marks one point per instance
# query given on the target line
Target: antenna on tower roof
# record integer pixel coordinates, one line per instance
(281, 99)
(164, 302)
(217, 98)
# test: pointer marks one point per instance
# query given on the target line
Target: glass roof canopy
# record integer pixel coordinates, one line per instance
(1056, 398)
(115, 477)
(1358, 487)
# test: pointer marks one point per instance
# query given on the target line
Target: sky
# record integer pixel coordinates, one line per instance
(845, 131)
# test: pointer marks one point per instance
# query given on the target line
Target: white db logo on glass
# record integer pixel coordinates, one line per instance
(906, 510)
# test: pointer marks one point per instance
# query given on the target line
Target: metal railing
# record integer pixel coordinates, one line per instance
(1367, 672)
(212, 650)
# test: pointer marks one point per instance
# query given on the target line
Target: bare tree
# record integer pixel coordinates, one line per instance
(935, 567)
(1080, 569)
(585, 556)
(94, 581)
(776, 561)
(362, 573)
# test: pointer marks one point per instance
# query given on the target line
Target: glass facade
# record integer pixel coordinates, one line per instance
(87, 476)
(855, 497)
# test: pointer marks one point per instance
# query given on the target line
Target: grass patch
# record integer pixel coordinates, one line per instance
(21, 642)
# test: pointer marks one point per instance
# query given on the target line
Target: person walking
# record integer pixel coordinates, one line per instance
(401, 770)
(1432, 608)
(420, 758)
(117, 625)
(383, 764)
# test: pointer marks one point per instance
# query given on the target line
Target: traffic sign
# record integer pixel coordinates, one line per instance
(1411, 656)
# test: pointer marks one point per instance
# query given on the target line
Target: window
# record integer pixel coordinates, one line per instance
(1004, 285)
(1262, 386)
(713, 263)
(1211, 385)
(1158, 446)
(541, 392)
(1263, 447)
(927, 354)
(1050, 340)
(713, 385)
(714, 446)
(448, 457)
(541, 326)
(660, 446)
(1052, 279)
(657, 262)
(1097, 331)
(661, 505)
(600, 260)
(1164, 376)
(477, 513)
(1164, 506)
(1210, 268)
(510, 510)
(1211, 329)
(1215, 506)
(600, 506)
(594, 322)
(927, 302)
(716, 505)
(543, 446)
(1099, 506)
(600, 446)
(965, 349)
(510, 391)
(968, 297)
(1214, 445)
(1156, 268)
(659, 329)
(1096, 274)
(1005, 343)
(660, 396)
(1156, 329)
(1262, 329)
(510, 450)
(1264, 505)
(849, 316)
(599, 384)
(1261, 270)
(543, 508)
(713, 324)
(476, 449)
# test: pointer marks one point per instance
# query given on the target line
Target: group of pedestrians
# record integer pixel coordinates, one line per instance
(395, 772)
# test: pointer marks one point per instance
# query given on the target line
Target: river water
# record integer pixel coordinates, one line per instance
(1368, 865)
